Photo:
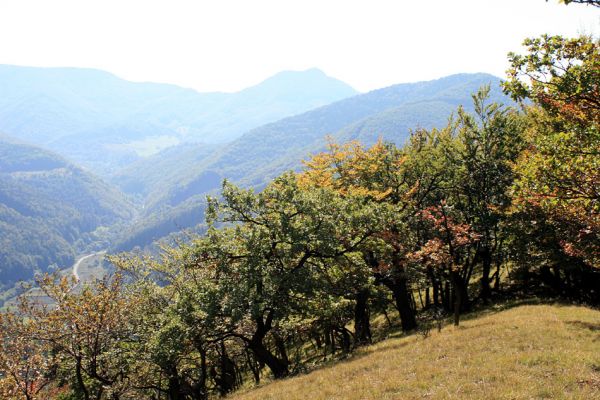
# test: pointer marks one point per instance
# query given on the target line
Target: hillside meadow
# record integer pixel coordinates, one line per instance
(525, 352)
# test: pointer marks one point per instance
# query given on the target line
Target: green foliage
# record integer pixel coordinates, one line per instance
(290, 274)
(488, 145)
(560, 74)
(291, 243)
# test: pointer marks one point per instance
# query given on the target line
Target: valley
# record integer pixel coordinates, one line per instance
(86, 269)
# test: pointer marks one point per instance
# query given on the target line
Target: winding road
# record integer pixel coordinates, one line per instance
(78, 263)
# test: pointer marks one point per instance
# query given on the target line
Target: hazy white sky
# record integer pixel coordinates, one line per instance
(227, 45)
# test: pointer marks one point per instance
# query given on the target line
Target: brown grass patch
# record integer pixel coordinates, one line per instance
(527, 352)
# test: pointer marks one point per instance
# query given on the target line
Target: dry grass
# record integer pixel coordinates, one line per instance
(526, 352)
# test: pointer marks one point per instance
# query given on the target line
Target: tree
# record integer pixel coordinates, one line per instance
(374, 176)
(182, 325)
(559, 172)
(89, 330)
(272, 260)
(446, 250)
(559, 74)
(27, 365)
(488, 144)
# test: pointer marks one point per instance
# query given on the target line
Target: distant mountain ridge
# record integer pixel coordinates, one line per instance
(389, 113)
(100, 120)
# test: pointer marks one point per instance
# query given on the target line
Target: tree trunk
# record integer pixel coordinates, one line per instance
(558, 281)
(345, 342)
(80, 381)
(199, 387)
(226, 379)
(497, 280)
(436, 293)
(446, 297)
(403, 304)
(486, 259)
(201, 391)
(362, 328)
(280, 344)
(458, 296)
(278, 367)
(318, 342)
(398, 285)
(254, 368)
(174, 385)
(329, 341)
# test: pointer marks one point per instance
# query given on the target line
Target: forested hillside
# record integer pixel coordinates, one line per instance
(48, 209)
(148, 178)
(391, 112)
(52, 208)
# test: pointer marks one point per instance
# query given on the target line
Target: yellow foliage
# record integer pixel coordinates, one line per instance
(353, 170)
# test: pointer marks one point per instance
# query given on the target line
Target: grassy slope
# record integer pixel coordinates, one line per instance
(526, 352)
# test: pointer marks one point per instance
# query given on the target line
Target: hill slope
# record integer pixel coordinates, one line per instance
(265, 152)
(537, 351)
(102, 121)
(390, 113)
(149, 176)
(48, 207)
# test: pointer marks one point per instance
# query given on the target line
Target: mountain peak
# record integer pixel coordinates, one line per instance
(306, 73)
(302, 83)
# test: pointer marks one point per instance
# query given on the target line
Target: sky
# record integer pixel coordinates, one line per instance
(227, 45)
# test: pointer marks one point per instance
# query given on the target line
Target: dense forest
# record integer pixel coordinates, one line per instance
(503, 201)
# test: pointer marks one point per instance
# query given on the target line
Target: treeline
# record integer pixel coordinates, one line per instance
(498, 202)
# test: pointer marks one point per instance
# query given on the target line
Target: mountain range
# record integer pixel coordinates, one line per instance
(104, 123)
